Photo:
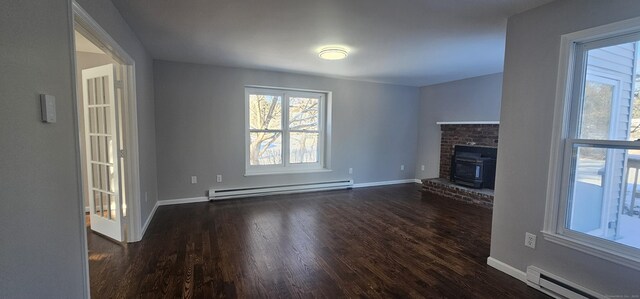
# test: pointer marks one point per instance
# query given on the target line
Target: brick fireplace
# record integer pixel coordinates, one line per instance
(475, 134)
(480, 134)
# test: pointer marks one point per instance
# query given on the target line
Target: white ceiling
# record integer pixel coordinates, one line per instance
(408, 42)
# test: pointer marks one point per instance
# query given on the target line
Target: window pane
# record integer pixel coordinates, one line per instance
(265, 112)
(304, 147)
(596, 113)
(603, 201)
(265, 148)
(610, 106)
(303, 113)
(97, 204)
(635, 104)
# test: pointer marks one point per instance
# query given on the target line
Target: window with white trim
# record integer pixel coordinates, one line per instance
(597, 208)
(286, 130)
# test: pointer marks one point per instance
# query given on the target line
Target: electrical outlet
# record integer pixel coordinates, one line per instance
(530, 240)
(194, 179)
(219, 178)
(402, 167)
(422, 167)
(350, 170)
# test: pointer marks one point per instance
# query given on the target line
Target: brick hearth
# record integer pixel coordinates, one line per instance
(445, 188)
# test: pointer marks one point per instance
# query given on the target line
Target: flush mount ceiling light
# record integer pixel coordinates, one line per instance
(333, 53)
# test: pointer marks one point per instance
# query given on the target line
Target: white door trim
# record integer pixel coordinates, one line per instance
(74, 104)
(84, 23)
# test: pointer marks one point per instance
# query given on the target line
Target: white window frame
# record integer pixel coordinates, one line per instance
(572, 49)
(324, 121)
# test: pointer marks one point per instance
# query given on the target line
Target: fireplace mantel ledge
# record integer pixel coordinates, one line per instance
(488, 122)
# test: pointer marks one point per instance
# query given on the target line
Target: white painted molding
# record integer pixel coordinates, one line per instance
(104, 39)
(626, 258)
(511, 271)
(146, 223)
(286, 171)
(482, 122)
(179, 201)
(384, 183)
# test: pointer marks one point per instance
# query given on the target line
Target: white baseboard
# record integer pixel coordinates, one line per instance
(511, 271)
(179, 201)
(384, 183)
(146, 223)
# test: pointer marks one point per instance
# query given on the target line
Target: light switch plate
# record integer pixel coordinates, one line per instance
(48, 106)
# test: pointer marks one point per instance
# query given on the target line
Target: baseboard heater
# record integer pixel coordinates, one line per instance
(218, 194)
(556, 286)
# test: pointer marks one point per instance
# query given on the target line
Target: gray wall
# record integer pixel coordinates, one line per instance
(42, 251)
(110, 20)
(531, 71)
(473, 99)
(200, 128)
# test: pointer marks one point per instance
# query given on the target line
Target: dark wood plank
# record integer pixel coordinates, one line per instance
(385, 242)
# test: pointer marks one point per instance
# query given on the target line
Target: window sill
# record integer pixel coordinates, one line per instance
(594, 250)
(285, 172)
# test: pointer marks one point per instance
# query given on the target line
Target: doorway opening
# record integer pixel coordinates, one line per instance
(107, 131)
(99, 118)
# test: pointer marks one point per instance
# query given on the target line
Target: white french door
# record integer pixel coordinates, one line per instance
(102, 150)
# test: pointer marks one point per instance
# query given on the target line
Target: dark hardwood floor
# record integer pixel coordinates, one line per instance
(374, 242)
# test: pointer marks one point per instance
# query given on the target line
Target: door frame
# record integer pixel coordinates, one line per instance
(85, 24)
